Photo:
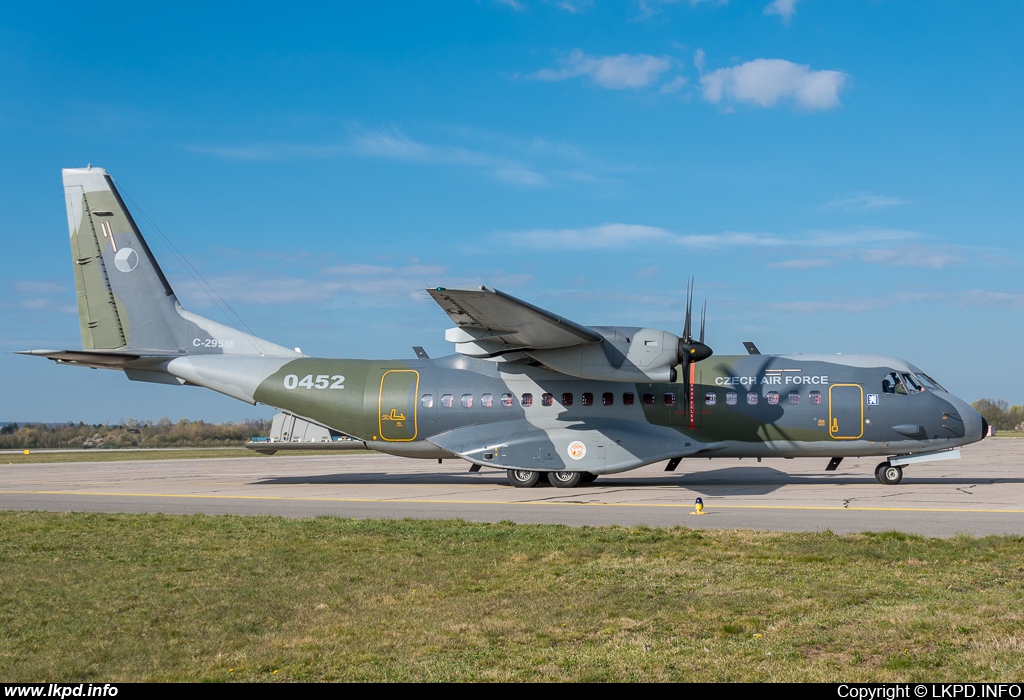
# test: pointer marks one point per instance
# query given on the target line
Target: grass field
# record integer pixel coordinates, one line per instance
(123, 455)
(150, 597)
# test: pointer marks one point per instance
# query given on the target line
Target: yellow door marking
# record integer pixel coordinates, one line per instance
(393, 415)
(834, 422)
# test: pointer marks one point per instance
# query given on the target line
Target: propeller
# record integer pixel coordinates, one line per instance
(690, 351)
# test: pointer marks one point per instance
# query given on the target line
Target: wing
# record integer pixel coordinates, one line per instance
(490, 323)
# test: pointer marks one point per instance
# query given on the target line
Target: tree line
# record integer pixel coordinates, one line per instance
(1000, 414)
(131, 433)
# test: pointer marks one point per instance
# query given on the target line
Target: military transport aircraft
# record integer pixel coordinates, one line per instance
(528, 391)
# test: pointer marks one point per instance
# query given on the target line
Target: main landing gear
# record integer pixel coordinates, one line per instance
(888, 474)
(524, 479)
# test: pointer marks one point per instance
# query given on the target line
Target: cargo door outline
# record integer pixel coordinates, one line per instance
(845, 411)
(396, 405)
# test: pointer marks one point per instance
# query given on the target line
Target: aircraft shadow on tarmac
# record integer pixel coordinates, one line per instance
(741, 480)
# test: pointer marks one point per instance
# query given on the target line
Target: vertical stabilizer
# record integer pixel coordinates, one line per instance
(124, 299)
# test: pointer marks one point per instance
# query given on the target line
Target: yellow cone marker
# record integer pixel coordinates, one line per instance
(698, 507)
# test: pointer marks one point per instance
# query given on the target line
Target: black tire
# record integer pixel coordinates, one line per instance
(565, 480)
(587, 477)
(888, 474)
(522, 478)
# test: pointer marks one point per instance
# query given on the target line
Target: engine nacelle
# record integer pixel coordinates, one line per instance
(627, 354)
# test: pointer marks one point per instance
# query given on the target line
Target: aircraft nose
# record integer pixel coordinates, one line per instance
(975, 425)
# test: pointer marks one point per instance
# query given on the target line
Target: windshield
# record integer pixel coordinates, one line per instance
(929, 382)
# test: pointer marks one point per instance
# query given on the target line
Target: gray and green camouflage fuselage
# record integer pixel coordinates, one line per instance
(529, 391)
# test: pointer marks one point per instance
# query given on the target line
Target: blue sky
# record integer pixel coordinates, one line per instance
(837, 176)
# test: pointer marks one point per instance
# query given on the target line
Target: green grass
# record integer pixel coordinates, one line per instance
(123, 455)
(149, 598)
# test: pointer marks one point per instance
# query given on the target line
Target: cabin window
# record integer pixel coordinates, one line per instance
(814, 397)
(588, 399)
(507, 400)
(487, 400)
(710, 398)
(794, 398)
(567, 399)
(751, 398)
(607, 399)
(627, 398)
(546, 399)
(730, 398)
(447, 400)
(773, 398)
(427, 401)
(669, 398)
(527, 400)
(648, 399)
(467, 401)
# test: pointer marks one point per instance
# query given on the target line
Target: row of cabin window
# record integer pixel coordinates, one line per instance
(608, 399)
(773, 398)
(507, 400)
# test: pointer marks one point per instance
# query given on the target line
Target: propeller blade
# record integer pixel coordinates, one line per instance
(687, 325)
(703, 316)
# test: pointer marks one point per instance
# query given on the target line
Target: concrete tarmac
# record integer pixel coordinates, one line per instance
(981, 494)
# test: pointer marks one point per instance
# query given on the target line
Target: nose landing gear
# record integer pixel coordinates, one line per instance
(888, 474)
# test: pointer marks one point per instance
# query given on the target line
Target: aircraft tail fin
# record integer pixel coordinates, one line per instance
(125, 302)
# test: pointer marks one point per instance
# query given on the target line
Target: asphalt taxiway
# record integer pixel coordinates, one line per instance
(980, 494)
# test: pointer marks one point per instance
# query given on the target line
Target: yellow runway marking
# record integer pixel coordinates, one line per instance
(504, 503)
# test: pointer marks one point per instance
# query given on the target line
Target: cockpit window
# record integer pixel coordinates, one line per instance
(913, 386)
(892, 384)
(929, 383)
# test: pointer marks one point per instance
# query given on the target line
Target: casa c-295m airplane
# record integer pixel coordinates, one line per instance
(527, 391)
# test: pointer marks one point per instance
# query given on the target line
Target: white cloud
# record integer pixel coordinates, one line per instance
(612, 236)
(359, 284)
(845, 239)
(802, 263)
(846, 306)
(985, 298)
(648, 8)
(784, 8)
(576, 6)
(617, 236)
(513, 4)
(677, 83)
(604, 237)
(765, 81)
(910, 257)
(865, 201)
(612, 72)
(388, 143)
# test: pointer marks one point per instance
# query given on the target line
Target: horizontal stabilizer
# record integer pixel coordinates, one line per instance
(86, 358)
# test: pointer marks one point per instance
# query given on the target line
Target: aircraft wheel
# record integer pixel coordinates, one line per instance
(565, 480)
(888, 474)
(522, 478)
(587, 477)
